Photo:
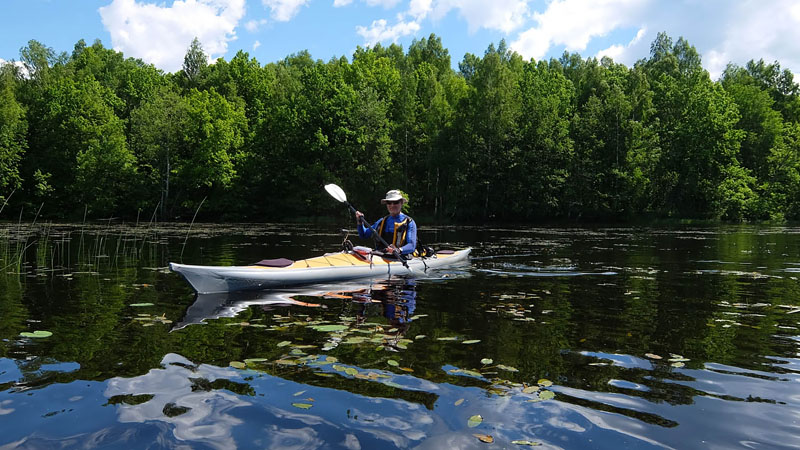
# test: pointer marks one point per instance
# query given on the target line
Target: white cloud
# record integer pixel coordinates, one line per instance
(574, 23)
(161, 35)
(754, 30)
(284, 10)
(256, 44)
(380, 32)
(418, 9)
(502, 15)
(616, 51)
(722, 31)
(253, 25)
(23, 71)
(388, 4)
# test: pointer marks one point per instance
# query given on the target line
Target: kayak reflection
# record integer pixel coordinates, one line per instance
(228, 304)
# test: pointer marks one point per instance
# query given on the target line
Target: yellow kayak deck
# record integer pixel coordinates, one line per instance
(337, 260)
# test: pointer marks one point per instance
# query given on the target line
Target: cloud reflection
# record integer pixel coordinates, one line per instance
(207, 419)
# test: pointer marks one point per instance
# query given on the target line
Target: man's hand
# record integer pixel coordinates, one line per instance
(391, 249)
(359, 217)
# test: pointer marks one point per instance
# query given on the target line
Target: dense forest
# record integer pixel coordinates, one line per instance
(94, 134)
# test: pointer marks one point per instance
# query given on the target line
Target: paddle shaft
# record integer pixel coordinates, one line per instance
(380, 238)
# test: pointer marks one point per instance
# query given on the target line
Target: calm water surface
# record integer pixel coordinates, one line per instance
(550, 337)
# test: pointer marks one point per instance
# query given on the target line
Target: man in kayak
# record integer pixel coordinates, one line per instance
(397, 229)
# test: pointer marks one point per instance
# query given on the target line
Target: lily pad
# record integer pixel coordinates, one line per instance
(459, 401)
(393, 363)
(487, 438)
(139, 305)
(302, 405)
(283, 343)
(468, 372)
(487, 361)
(251, 361)
(507, 368)
(545, 382)
(330, 328)
(36, 334)
(547, 395)
(474, 421)
(471, 341)
(530, 443)
(530, 389)
(238, 365)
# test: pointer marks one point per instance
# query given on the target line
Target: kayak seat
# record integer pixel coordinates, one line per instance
(280, 262)
(445, 252)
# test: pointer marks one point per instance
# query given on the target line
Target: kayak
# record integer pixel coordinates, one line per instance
(340, 266)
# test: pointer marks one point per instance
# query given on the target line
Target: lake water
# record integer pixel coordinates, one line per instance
(550, 337)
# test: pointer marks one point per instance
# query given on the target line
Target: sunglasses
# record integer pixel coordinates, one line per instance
(392, 202)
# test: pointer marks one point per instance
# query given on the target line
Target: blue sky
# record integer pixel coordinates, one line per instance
(159, 32)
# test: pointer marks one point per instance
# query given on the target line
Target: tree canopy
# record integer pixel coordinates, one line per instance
(500, 138)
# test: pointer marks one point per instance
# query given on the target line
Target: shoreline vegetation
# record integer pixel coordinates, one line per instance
(93, 136)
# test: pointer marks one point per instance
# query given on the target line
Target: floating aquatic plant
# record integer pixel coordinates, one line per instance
(36, 334)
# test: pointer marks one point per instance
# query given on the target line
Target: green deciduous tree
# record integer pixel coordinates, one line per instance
(540, 176)
(490, 129)
(699, 166)
(78, 145)
(13, 129)
(210, 149)
(195, 63)
(156, 140)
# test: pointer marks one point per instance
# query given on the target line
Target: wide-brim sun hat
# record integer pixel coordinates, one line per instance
(393, 196)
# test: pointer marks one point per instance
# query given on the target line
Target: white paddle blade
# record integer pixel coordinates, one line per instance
(336, 192)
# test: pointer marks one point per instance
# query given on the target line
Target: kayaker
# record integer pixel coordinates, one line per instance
(397, 229)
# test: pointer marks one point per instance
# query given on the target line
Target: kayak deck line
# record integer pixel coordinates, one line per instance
(340, 259)
(325, 268)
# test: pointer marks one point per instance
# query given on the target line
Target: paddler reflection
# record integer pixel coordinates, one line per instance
(396, 299)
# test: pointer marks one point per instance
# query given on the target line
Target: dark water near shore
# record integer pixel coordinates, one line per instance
(550, 337)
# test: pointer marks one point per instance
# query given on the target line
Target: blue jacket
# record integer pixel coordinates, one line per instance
(411, 232)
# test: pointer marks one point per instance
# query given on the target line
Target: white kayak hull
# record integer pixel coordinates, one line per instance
(330, 267)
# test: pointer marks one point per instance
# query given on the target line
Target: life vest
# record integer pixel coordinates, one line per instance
(396, 237)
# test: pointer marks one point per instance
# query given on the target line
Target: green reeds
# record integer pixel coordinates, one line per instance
(190, 226)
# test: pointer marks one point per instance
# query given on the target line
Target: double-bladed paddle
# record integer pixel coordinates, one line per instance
(337, 193)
